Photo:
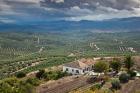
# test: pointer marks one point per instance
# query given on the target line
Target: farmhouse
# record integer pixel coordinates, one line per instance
(81, 66)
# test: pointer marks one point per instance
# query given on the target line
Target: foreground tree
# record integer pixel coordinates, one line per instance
(128, 63)
(124, 77)
(116, 66)
(101, 67)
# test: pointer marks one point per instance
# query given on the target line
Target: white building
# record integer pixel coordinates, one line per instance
(81, 66)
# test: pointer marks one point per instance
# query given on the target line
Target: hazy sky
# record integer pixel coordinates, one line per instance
(51, 10)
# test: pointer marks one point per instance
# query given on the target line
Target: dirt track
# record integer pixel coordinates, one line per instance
(63, 87)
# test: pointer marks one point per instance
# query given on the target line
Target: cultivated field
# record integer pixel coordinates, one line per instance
(30, 51)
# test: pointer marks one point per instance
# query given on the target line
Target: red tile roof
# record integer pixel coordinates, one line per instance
(82, 63)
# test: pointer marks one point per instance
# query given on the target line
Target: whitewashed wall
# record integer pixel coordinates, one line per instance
(74, 70)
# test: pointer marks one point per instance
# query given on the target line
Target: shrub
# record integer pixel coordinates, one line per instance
(20, 74)
(116, 84)
(132, 73)
(61, 74)
(14, 85)
(33, 81)
(124, 77)
(96, 87)
(39, 75)
(45, 75)
(54, 75)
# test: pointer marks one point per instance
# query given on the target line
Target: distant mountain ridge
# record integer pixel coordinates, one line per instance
(131, 23)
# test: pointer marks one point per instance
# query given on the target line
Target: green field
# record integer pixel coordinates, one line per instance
(21, 50)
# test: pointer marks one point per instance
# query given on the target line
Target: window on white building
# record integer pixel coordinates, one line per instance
(83, 71)
(77, 71)
(72, 70)
(67, 69)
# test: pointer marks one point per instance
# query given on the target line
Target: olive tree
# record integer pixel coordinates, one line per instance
(116, 66)
(101, 67)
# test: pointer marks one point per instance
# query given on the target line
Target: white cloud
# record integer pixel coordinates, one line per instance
(76, 11)
(59, 1)
(71, 10)
(6, 20)
(13, 7)
(104, 13)
(4, 8)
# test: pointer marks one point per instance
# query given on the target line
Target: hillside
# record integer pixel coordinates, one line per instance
(92, 42)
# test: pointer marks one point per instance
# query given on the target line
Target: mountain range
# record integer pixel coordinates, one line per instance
(123, 24)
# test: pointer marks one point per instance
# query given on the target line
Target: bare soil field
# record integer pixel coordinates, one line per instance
(63, 85)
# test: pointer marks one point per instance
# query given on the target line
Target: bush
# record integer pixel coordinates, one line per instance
(124, 77)
(14, 85)
(61, 74)
(45, 75)
(132, 74)
(53, 76)
(33, 81)
(39, 75)
(20, 74)
(96, 87)
(115, 84)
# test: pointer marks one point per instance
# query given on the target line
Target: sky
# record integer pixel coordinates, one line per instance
(12, 11)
